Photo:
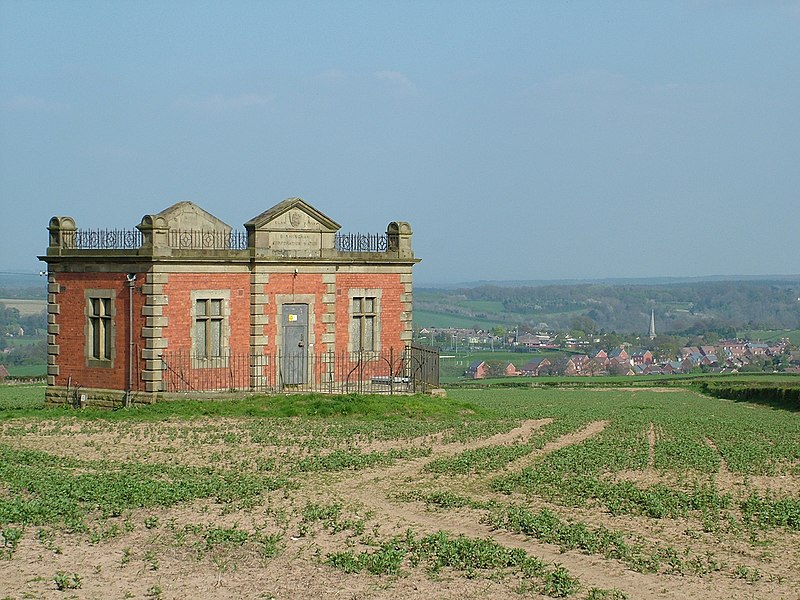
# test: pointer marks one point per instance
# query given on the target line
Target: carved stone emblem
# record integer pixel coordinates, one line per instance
(294, 218)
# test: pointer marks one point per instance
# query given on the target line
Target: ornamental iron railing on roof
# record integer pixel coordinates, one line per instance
(102, 239)
(204, 239)
(362, 242)
(131, 239)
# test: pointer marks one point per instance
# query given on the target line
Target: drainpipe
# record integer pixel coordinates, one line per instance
(131, 277)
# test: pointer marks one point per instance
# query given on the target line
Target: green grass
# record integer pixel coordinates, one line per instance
(28, 400)
(772, 335)
(687, 381)
(27, 370)
(21, 398)
(361, 406)
(426, 318)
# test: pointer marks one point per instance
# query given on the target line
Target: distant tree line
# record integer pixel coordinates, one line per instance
(688, 309)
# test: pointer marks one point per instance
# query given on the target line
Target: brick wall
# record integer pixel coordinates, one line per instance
(285, 288)
(70, 321)
(391, 306)
(327, 293)
(179, 310)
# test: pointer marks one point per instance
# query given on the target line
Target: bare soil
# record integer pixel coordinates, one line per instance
(151, 555)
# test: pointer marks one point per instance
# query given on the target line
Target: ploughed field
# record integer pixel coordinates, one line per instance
(493, 493)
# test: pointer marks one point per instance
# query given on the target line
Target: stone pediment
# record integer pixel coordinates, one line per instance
(292, 228)
(293, 214)
(187, 216)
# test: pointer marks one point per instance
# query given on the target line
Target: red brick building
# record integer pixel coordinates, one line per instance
(187, 304)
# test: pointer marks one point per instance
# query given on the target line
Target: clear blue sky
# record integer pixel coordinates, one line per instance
(521, 140)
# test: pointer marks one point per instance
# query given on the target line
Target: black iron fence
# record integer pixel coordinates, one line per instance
(203, 239)
(131, 239)
(412, 369)
(101, 239)
(362, 242)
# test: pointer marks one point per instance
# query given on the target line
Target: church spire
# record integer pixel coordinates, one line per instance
(652, 331)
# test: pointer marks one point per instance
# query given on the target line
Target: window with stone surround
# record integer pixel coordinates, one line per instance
(100, 328)
(211, 327)
(365, 320)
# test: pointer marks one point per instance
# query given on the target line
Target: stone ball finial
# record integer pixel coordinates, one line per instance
(399, 238)
(62, 223)
(152, 222)
(399, 228)
(61, 231)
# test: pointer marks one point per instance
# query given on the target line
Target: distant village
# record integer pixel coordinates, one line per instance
(725, 356)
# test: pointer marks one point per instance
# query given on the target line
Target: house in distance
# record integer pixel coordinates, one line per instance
(183, 303)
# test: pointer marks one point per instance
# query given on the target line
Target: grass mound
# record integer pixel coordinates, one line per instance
(28, 401)
(365, 406)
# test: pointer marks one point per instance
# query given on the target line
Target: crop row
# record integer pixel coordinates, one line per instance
(546, 526)
(45, 489)
(473, 557)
